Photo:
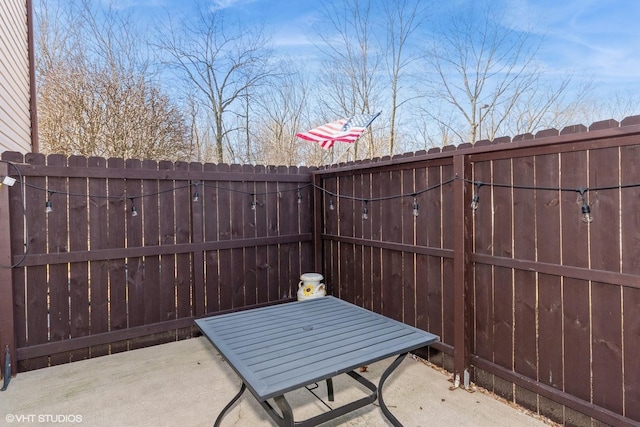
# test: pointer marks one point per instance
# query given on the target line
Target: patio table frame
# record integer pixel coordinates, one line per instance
(281, 348)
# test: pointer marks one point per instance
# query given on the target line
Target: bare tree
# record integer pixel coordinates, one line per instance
(223, 63)
(404, 18)
(484, 69)
(283, 112)
(350, 79)
(94, 92)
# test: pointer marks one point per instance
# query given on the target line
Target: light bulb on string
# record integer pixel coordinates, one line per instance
(476, 196)
(299, 196)
(474, 201)
(416, 207)
(332, 206)
(365, 210)
(196, 195)
(48, 206)
(586, 210)
(253, 202)
(134, 211)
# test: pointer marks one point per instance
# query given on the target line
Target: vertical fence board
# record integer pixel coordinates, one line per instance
(78, 271)
(630, 225)
(576, 292)
(16, 229)
(151, 237)
(37, 288)
(168, 237)
(135, 265)
(525, 334)
(550, 366)
(349, 216)
(359, 287)
(210, 206)
(118, 209)
(447, 263)
(183, 235)
(224, 233)
(483, 244)
(262, 260)
(198, 303)
(294, 248)
(238, 199)
(409, 259)
(422, 261)
(434, 281)
(270, 203)
(249, 256)
(503, 281)
(99, 270)
(58, 274)
(390, 227)
(607, 364)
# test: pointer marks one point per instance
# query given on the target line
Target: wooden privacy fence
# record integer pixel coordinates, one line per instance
(132, 251)
(529, 300)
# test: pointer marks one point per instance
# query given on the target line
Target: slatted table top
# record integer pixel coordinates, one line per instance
(283, 347)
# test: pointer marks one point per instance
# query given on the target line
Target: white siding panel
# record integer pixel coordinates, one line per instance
(15, 116)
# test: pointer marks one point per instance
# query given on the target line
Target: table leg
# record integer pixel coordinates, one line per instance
(229, 405)
(394, 421)
(330, 389)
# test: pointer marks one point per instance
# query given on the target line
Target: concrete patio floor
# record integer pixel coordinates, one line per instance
(187, 383)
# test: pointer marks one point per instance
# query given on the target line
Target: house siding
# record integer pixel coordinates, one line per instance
(15, 93)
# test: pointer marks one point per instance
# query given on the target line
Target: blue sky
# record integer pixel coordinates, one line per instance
(597, 39)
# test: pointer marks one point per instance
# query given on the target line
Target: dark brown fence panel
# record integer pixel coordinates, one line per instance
(554, 299)
(128, 256)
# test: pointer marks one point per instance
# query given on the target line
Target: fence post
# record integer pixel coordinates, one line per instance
(462, 271)
(7, 327)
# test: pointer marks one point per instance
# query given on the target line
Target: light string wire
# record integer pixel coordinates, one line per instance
(24, 216)
(582, 191)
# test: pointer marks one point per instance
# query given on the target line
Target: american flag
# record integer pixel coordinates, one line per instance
(343, 130)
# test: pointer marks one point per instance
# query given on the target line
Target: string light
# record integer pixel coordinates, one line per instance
(196, 196)
(365, 210)
(48, 206)
(586, 210)
(476, 196)
(134, 211)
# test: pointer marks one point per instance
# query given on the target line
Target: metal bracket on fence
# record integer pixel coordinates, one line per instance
(7, 368)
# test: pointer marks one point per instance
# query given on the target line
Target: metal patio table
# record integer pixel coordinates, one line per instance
(281, 348)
